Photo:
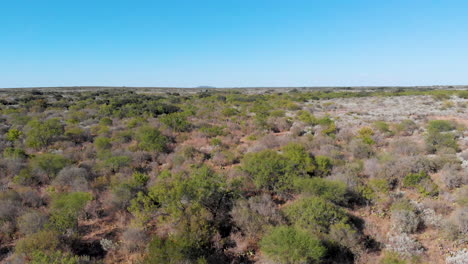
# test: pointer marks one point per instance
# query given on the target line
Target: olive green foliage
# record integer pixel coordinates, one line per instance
(102, 143)
(49, 163)
(269, 170)
(306, 117)
(436, 141)
(412, 179)
(212, 131)
(298, 159)
(315, 214)
(382, 127)
(65, 209)
(274, 171)
(15, 153)
(174, 250)
(115, 163)
(365, 134)
(151, 139)
(333, 191)
(440, 126)
(13, 134)
(55, 257)
(176, 194)
(41, 133)
(229, 112)
(392, 258)
(202, 187)
(292, 245)
(323, 165)
(422, 182)
(329, 126)
(45, 240)
(176, 121)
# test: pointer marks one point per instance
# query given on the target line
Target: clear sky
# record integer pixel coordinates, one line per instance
(231, 43)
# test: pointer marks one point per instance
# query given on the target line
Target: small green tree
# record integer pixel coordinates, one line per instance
(269, 170)
(151, 139)
(49, 163)
(102, 143)
(298, 159)
(13, 134)
(177, 121)
(290, 245)
(333, 191)
(315, 214)
(40, 134)
(65, 209)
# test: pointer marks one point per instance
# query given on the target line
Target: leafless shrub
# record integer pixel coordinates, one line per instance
(345, 135)
(405, 221)
(134, 239)
(453, 176)
(464, 155)
(279, 124)
(372, 167)
(404, 245)
(254, 214)
(31, 222)
(348, 173)
(31, 198)
(458, 257)
(9, 210)
(269, 142)
(456, 227)
(359, 149)
(439, 207)
(406, 147)
(74, 177)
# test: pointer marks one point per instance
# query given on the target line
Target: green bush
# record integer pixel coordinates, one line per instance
(441, 126)
(315, 214)
(102, 143)
(49, 163)
(105, 121)
(333, 191)
(65, 209)
(436, 141)
(324, 166)
(15, 153)
(150, 139)
(413, 179)
(212, 131)
(24, 177)
(55, 257)
(229, 112)
(382, 126)
(306, 117)
(269, 170)
(177, 121)
(115, 163)
(298, 158)
(40, 134)
(13, 134)
(284, 244)
(365, 134)
(45, 240)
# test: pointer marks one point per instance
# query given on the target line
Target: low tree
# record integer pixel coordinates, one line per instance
(292, 245)
(40, 134)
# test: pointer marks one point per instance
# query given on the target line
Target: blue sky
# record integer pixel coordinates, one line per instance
(231, 43)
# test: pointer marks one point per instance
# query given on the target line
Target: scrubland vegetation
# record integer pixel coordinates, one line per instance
(234, 176)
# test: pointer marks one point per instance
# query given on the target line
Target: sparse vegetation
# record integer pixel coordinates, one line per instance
(375, 175)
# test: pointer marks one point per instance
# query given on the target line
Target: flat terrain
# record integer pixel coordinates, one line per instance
(235, 175)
